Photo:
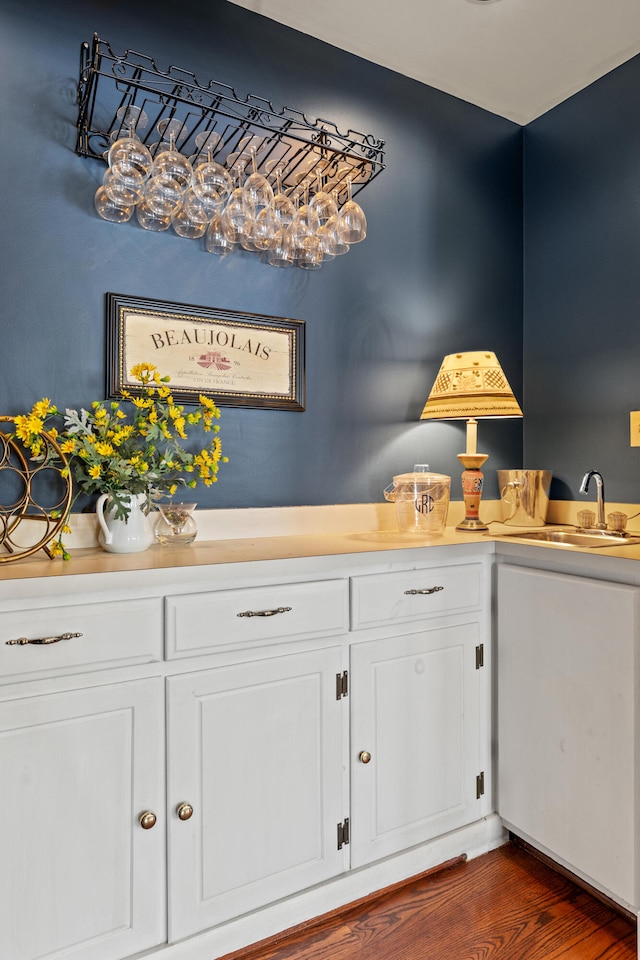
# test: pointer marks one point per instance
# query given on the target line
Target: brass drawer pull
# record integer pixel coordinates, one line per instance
(147, 820)
(413, 593)
(264, 613)
(22, 641)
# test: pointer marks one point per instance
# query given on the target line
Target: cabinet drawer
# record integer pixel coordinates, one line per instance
(415, 594)
(201, 623)
(110, 634)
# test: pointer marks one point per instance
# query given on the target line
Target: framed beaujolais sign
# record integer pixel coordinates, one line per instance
(238, 359)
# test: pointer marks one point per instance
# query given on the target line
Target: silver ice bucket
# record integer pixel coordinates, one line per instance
(524, 496)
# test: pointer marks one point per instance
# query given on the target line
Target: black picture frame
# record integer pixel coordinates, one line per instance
(238, 359)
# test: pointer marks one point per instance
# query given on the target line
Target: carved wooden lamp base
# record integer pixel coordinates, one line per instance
(472, 481)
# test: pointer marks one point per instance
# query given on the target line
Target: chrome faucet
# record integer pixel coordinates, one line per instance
(584, 486)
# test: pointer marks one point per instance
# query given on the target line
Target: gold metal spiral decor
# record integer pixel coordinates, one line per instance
(35, 495)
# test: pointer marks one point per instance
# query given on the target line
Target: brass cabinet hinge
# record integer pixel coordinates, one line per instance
(343, 834)
(480, 785)
(342, 685)
(479, 656)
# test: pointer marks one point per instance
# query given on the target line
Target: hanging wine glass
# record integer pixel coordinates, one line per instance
(149, 219)
(217, 239)
(239, 214)
(360, 171)
(120, 190)
(322, 203)
(236, 164)
(305, 247)
(283, 209)
(328, 242)
(171, 128)
(114, 200)
(171, 172)
(305, 221)
(331, 243)
(206, 142)
(352, 223)
(129, 114)
(279, 253)
(329, 235)
(212, 184)
(166, 128)
(340, 175)
(154, 210)
(309, 254)
(263, 229)
(128, 158)
(117, 210)
(295, 234)
(190, 218)
(306, 168)
(246, 241)
(256, 189)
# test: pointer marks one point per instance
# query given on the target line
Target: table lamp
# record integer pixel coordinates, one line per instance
(470, 386)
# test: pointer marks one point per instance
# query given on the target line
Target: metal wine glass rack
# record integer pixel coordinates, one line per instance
(110, 83)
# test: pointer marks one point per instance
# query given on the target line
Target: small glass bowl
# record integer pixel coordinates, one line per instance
(175, 525)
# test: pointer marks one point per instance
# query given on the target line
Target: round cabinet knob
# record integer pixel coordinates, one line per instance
(365, 756)
(184, 811)
(147, 820)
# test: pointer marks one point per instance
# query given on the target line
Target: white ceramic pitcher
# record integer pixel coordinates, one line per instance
(124, 536)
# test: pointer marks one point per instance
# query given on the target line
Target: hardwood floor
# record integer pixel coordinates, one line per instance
(506, 905)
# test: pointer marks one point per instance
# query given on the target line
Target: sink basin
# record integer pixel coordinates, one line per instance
(575, 538)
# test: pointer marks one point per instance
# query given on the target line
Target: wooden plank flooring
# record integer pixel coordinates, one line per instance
(506, 905)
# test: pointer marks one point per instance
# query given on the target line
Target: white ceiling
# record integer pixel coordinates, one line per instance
(516, 58)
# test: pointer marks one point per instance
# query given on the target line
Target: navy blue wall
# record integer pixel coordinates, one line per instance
(582, 287)
(440, 272)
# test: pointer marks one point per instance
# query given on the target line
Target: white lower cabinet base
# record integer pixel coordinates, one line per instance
(301, 698)
(236, 718)
(472, 840)
(567, 722)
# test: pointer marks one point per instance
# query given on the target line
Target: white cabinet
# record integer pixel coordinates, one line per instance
(415, 738)
(567, 731)
(233, 703)
(79, 877)
(420, 691)
(256, 750)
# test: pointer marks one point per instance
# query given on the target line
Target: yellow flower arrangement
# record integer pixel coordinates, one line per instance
(129, 451)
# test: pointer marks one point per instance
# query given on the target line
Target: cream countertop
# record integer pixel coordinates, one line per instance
(241, 536)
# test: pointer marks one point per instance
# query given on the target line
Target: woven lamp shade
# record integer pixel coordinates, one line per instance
(470, 385)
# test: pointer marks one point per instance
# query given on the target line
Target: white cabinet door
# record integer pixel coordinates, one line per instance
(567, 746)
(79, 878)
(415, 712)
(257, 751)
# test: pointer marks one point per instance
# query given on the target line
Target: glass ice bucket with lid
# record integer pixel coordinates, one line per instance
(421, 499)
